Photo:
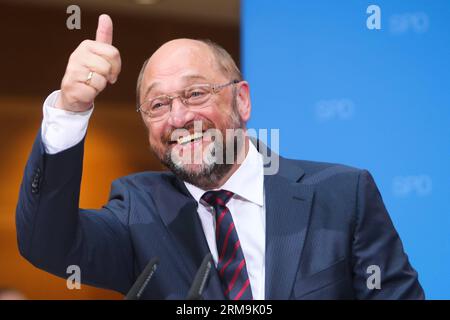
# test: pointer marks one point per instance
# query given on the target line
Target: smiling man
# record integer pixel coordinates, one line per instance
(309, 231)
(213, 95)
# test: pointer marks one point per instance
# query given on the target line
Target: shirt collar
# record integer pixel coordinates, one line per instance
(246, 182)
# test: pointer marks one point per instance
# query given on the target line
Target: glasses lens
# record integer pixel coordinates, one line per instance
(197, 95)
(156, 107)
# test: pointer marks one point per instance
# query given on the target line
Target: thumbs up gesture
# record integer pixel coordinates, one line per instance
(91, 66)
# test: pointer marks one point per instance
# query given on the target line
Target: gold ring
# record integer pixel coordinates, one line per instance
(89, 77)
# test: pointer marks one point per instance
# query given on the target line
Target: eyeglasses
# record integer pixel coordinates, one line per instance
(194, 97)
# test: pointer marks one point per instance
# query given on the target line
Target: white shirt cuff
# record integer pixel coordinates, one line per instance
(62, 129)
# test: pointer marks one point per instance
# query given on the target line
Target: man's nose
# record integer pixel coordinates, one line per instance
(180, 113)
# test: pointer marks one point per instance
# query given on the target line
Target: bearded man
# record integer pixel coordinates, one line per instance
(309, 230)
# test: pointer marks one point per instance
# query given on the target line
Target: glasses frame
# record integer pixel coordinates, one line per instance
(214, 89)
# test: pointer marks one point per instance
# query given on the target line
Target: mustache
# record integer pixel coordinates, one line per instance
(190, 126)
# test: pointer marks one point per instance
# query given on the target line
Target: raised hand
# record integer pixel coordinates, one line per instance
(91, 66)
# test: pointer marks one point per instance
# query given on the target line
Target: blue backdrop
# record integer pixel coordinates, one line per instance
(377, 99)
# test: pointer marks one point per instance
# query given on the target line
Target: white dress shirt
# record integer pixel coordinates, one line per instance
(62, 129)
(247, 208)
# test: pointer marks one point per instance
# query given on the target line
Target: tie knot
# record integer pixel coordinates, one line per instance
(217, 198)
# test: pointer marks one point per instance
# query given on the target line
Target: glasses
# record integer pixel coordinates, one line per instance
(194, 97)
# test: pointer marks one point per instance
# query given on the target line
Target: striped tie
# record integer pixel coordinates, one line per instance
(231, 263)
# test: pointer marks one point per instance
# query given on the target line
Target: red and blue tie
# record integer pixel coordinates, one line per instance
(231, 262)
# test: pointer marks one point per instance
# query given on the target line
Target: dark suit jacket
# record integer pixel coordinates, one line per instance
(325, 225)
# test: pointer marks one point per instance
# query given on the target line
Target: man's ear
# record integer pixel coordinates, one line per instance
(244, 104)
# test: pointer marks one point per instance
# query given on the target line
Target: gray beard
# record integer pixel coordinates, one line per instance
(210, 174)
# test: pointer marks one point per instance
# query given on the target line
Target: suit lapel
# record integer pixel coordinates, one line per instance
(179, 214)
(288, 208)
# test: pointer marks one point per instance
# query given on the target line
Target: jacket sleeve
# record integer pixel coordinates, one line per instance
(378, 250)
(53, 233)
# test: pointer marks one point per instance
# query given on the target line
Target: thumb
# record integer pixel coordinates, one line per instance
(104, 29)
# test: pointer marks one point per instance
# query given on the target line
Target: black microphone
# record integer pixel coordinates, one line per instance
(201, 277)
(139, 286)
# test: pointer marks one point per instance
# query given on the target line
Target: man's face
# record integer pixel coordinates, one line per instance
(175, 66)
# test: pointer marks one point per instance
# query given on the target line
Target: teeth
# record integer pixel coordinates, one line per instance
(188, 138)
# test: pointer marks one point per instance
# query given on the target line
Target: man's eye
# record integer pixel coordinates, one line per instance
(196, 94)
(157, 105)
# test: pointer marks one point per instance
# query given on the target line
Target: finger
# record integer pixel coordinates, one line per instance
(104, 29)
(99, 65)
(111, 54)
(79, 79)
(97, 81)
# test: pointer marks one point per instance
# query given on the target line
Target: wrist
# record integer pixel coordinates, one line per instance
(63, 104)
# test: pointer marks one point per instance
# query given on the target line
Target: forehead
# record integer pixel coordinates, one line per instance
(174, 66)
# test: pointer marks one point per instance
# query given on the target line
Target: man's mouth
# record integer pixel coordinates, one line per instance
(189, 138)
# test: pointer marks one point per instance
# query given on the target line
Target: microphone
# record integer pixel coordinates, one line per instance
(139, 286)
(201, 277)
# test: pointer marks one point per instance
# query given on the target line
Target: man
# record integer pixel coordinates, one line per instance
(309, 231)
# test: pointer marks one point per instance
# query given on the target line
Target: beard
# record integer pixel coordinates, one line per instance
(216, 159)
